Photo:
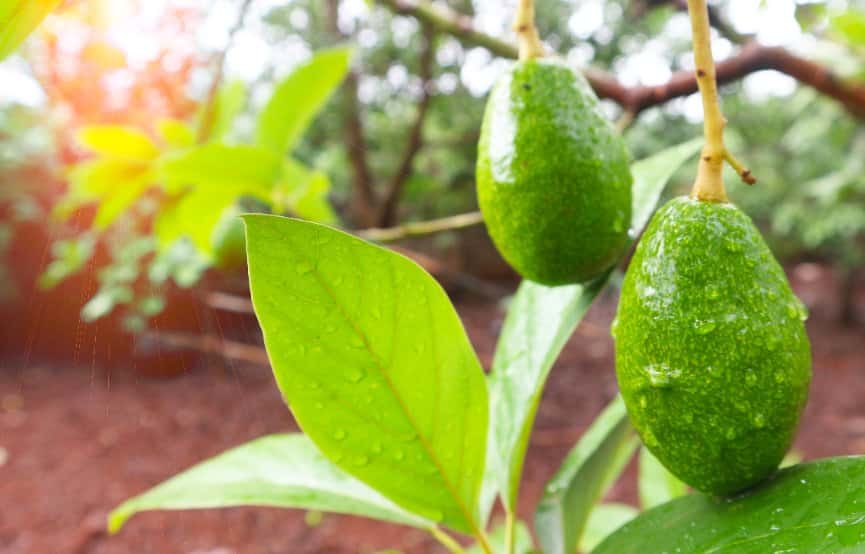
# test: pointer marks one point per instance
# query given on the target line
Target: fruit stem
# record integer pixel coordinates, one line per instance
(510, 532)
(530, 45)
(709, 185)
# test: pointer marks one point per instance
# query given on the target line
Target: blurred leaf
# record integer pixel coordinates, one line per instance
(304, 192)
(851, 26)
(175, 133)
(818, 507)
(604, 520)
(298, 98)
(586, 474)
(18, 18)
(655, 483)
(117, 141)
(104, 301)
(239, 169)
(121, 198)
(539, 322)
(374, 363)
(193, 216)
(229, 102)
(69, 258)
(522, 540)
(283, 471)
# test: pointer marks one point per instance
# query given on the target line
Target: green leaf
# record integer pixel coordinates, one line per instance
(818, 507)
(18, 18)
(588, 471)
(118, 141)
(374, 363)
(603, 521)
(851, 26)
(175, 133)
(655, 483)
(283, 471)
(539, 322)
(298, 98)
(194, 216)
(522, 540)
(242, 169)
(304, 192)
(227, 105)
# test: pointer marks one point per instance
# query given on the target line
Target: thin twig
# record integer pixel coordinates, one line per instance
(406, 230)
(751, 58)
(208, 115)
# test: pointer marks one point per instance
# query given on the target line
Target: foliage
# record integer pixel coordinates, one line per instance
(151, 195)
(376, 368)
(18, 18)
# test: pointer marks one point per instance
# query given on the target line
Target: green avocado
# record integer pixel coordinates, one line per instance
(712, 356)
(553, 179)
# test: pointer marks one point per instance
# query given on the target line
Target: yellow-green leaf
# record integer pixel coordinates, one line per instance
(118, 141)
(18, 18)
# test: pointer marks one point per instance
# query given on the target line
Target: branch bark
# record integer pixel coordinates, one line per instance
(388, 214)
(751, 58)
(363, 199)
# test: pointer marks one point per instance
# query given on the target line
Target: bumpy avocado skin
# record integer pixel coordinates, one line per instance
(712, 356)
(553, 179)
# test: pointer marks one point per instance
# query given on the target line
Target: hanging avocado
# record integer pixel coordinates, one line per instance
(553, 179)
(712, 356)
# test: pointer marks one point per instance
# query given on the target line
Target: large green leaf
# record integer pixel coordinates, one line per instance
(655, 483)
(299, 97)
(18, 18)
(812, 508)
(590, 468)
(539, 323)
(374, 363)
(242, 169)
(284, 471)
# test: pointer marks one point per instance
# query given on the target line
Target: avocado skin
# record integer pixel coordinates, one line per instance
(712, 356)
(553, 179)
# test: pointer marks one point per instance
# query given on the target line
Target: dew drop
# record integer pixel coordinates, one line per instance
(361, 460)
(704, 327)
(399, 455)
(713, 293)
(614, 327)
(780, 377)
(689, 418)
(759, 421)
(339, 434)
(356, 342)
(355, 375)
(376, 448)
(662, 375)
(643, 402)
(303, 268)
(730, 433)
(801, 310)
(732, 245)
(750, 377)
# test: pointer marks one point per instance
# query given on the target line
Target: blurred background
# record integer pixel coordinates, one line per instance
(133, 132)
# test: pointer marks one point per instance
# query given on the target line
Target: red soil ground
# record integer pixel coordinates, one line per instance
(74, 442)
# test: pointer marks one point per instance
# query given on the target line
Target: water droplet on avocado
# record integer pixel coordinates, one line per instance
(759, 421)
(339, 434)
(662, 376)
(361, 460)
(704, 327)
(713, 293)
(649, 437)
(614, 326)
(730, 433)
(398, 455)
(780, 377)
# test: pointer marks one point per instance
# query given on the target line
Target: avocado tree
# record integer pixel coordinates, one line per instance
(401, 424)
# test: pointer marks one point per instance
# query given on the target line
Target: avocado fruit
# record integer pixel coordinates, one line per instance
(712, 356)
(553, 180)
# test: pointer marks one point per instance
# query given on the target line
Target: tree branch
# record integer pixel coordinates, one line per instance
(363, 198)
(387, 216)
(750, 59)
(422, 228)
